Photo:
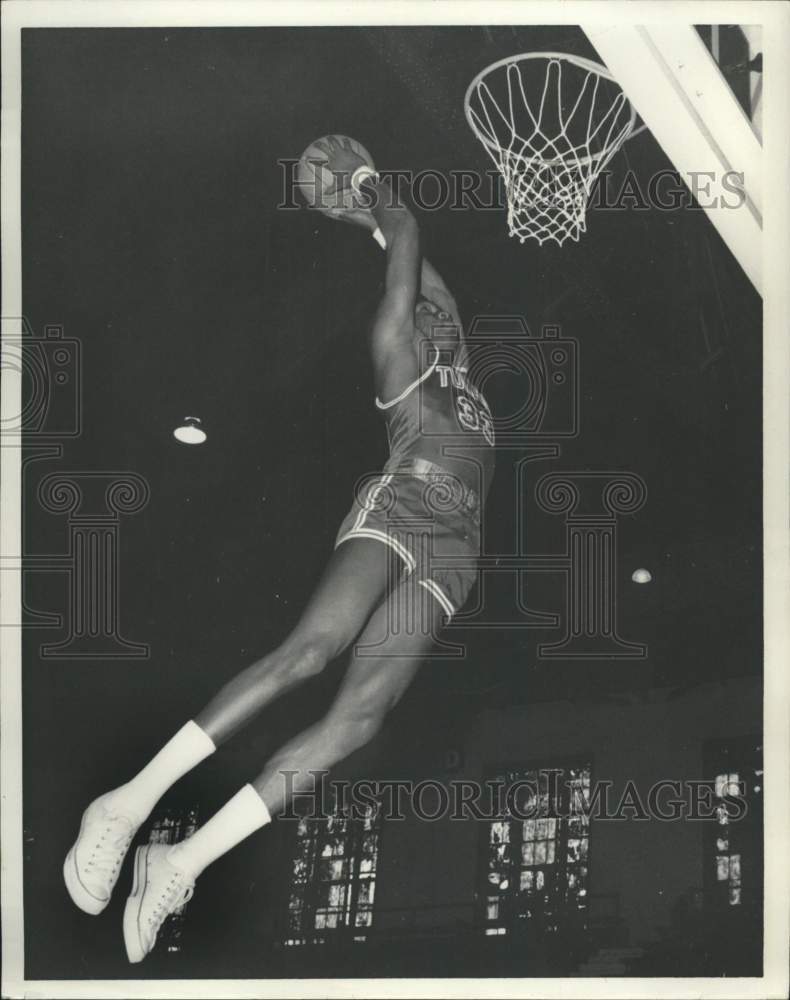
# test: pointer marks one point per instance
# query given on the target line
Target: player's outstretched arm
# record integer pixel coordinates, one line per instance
(392, 337)
(386, 217)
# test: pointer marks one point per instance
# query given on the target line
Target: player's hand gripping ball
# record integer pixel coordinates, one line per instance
(324, 174)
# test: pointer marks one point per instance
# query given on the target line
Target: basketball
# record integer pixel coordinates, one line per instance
(313, 179)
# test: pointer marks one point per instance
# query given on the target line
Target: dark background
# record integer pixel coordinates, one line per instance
(151, 233)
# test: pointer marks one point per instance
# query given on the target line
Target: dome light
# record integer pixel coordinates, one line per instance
(190, 432)
(641, 576)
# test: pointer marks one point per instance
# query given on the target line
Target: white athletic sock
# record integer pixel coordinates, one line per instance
(242, 815)
(185, 750)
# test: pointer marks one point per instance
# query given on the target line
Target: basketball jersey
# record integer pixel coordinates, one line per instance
(444, 418)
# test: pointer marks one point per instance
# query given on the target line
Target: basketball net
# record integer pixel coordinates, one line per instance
(549, 149)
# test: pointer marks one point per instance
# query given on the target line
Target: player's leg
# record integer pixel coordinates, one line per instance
(372, 686)
(355, 580)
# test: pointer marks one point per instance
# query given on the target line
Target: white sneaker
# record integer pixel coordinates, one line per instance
(159, 889)
(93, 864)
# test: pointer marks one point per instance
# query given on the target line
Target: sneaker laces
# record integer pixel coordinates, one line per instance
(175, 895)
(109, 851)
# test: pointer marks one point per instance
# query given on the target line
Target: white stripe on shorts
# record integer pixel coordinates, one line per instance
(381, 536)
(433, 588)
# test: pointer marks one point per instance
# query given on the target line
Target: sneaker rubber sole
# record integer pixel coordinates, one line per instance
(135, 949)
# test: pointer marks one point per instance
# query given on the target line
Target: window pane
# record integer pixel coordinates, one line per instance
(500, 833)
(577, 849)
(337, 895)
(500, 853)
(367, 890)
(578, 826)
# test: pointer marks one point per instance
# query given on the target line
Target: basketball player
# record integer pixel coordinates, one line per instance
(426, 502)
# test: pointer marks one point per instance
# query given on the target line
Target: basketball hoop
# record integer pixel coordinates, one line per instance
(549, 149)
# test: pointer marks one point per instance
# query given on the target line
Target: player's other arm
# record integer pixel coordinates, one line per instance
(433, 287)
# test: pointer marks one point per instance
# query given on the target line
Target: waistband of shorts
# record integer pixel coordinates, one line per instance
(463, 496)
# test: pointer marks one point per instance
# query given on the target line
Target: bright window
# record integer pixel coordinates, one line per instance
(333, 881)
(537, 869)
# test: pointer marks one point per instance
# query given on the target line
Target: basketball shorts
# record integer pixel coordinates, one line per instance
(431, 522)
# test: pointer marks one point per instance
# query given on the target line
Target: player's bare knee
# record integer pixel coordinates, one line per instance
(308, 659)
(363, 726)
(361, 717)
(294, 662)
